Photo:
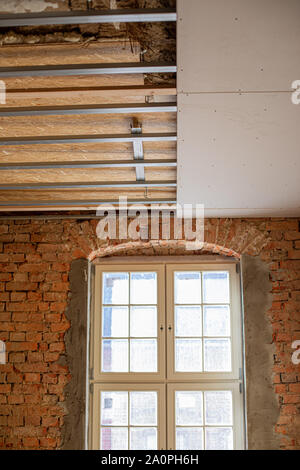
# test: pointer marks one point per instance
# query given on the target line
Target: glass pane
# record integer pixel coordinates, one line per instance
(219, 439)
(143, 438)
(216, 320)
(115, 322)
(218, 407)
(189, 439)
(143, 288)
(114, 439)
(216, 287)
(189, 406)
(188, 355)
(217, 355)
(143, 321)
(188, 288)
(143, 408)
(114, 355)
(143, 355)
(114, 408)
(115, 288)
(188, 321)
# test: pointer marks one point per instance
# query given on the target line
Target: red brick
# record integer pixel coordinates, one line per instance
(33, 420)
(21, 286)
(50, 421)
(30, 326)
(43, 306)
(289, 410)
(34, 296)
(14, 378)
(34, 268)
(292, 235)
(15, 399)
(20, 277)
(21, 307)
(22, 248)
(53, 317)
(18, 296)
(59, 347)
(16, 357)
(4, 296)
(61, 267)
(35, 356)
(35, 337)
(48, 442)
(51, 356)
(60, 286)
(50, 378)
(5, 277)
(47, 248)
(22, 346)
(8, 267)
(31, 442)
(55, 296)
(53, 276)
(5, 388)
(295, 388)
(58, 306)
(3, 228)
(59, 327)
(32, 378)
(17, 336)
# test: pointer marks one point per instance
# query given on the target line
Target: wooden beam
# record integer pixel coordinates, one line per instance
(97, 92)
(125, 15)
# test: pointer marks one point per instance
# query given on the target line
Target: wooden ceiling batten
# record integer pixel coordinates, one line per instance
(68, 145)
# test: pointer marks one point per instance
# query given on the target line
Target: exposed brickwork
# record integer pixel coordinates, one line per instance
(35, 259)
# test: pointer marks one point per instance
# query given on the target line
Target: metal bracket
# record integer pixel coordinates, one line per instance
(138, 151)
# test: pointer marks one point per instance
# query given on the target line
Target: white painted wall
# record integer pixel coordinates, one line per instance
(239, 132)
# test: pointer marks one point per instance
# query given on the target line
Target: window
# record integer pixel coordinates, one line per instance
(166, 357)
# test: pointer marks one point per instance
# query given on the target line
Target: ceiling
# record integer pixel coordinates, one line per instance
(238, 130)
(77, 139)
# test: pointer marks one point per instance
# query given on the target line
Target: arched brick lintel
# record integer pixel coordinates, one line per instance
(159, 248)
(230, 237)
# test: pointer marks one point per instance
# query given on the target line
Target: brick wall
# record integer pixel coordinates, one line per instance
(35, 257)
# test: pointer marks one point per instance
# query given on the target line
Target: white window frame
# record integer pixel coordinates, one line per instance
(237, 405)
(166, 381)
(130, 387)
(97, 327)
(235, 324)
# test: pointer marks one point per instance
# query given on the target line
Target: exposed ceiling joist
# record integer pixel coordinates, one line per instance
(89, 109)
(81, 203)
(73, 139)
(79, 185)
(117, 92)
(87, 69)
(86, 164)
(80, 17)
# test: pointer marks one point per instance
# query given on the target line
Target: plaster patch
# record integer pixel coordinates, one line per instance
(27, 6)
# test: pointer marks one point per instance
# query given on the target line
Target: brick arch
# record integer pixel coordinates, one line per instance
(227, 237)
(158, 248)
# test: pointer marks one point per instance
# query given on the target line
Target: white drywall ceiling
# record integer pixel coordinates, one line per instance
(238, 130)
